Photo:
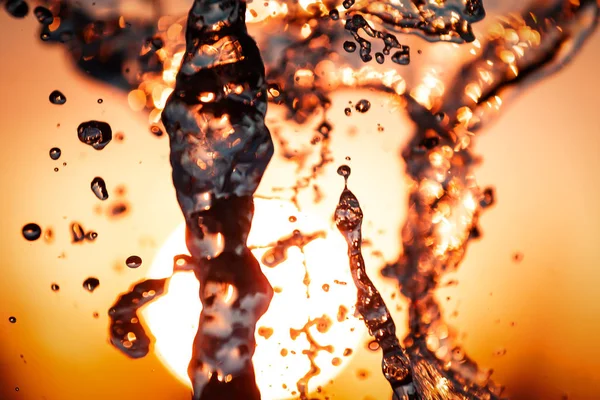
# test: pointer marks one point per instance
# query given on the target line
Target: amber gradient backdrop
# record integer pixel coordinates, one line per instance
(542, 156)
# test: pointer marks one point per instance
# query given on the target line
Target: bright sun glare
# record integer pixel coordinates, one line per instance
(279, 360)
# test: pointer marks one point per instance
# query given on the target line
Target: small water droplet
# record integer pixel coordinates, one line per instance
(91, 236)
(43, 15)
(99, 188)
(55, 287)
(95, 315)
(348, 158)
(349, 46)
(17, 389)
(56, 97)
(90, 284)
(402, 57)
(156, 131)
(12, 320)
(379, 57)
(292, 218)
(344, 171)
(348, 111)
(334, 14)
(363, 106)
(95, 133)
(488, 198)
(100, 101)
(55, 169)
(32, 232)
(17, 8)
(77, 232)
(348, 3)
(55, 153)
(133, 261)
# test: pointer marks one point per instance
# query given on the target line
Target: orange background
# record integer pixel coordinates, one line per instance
(541, 156)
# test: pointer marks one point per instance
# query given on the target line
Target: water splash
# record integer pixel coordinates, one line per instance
(445, 200)
(395, 363)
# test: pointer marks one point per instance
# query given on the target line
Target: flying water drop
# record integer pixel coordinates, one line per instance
(32, 232)
(90, 284)
(43, 15)
(17, 8)
(95, 133)
(99, 188)
(133, 261)
(363, 106)
(56, 97)
(55, 153)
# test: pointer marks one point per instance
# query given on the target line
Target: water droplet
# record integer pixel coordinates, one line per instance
(55, 169)
(373, 345)
(363, 106)
(99, 188)
(17, 8)
(32, 232)
(56, 97)
(43, 15)
(348, 111)
(100, 101)
(55, 153)
(77, 232)
(348, 3)
(95, 133)
(12, 320)
(17, 389)
(344, 171)
(349, 46)
(91, 236)
(348, 158)
(95, 315)
(334, 14)
(379, 57)
(292, 218)
(156, 131)
(55, 287)
(133, 261)
(90, 284)
(402, 56)
(488, 198)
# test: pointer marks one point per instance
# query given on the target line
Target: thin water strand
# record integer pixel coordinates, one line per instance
(395, 363)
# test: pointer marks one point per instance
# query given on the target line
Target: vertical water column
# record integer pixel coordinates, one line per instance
(220, 148)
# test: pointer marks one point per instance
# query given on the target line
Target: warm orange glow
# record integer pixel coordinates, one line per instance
(173, 319)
